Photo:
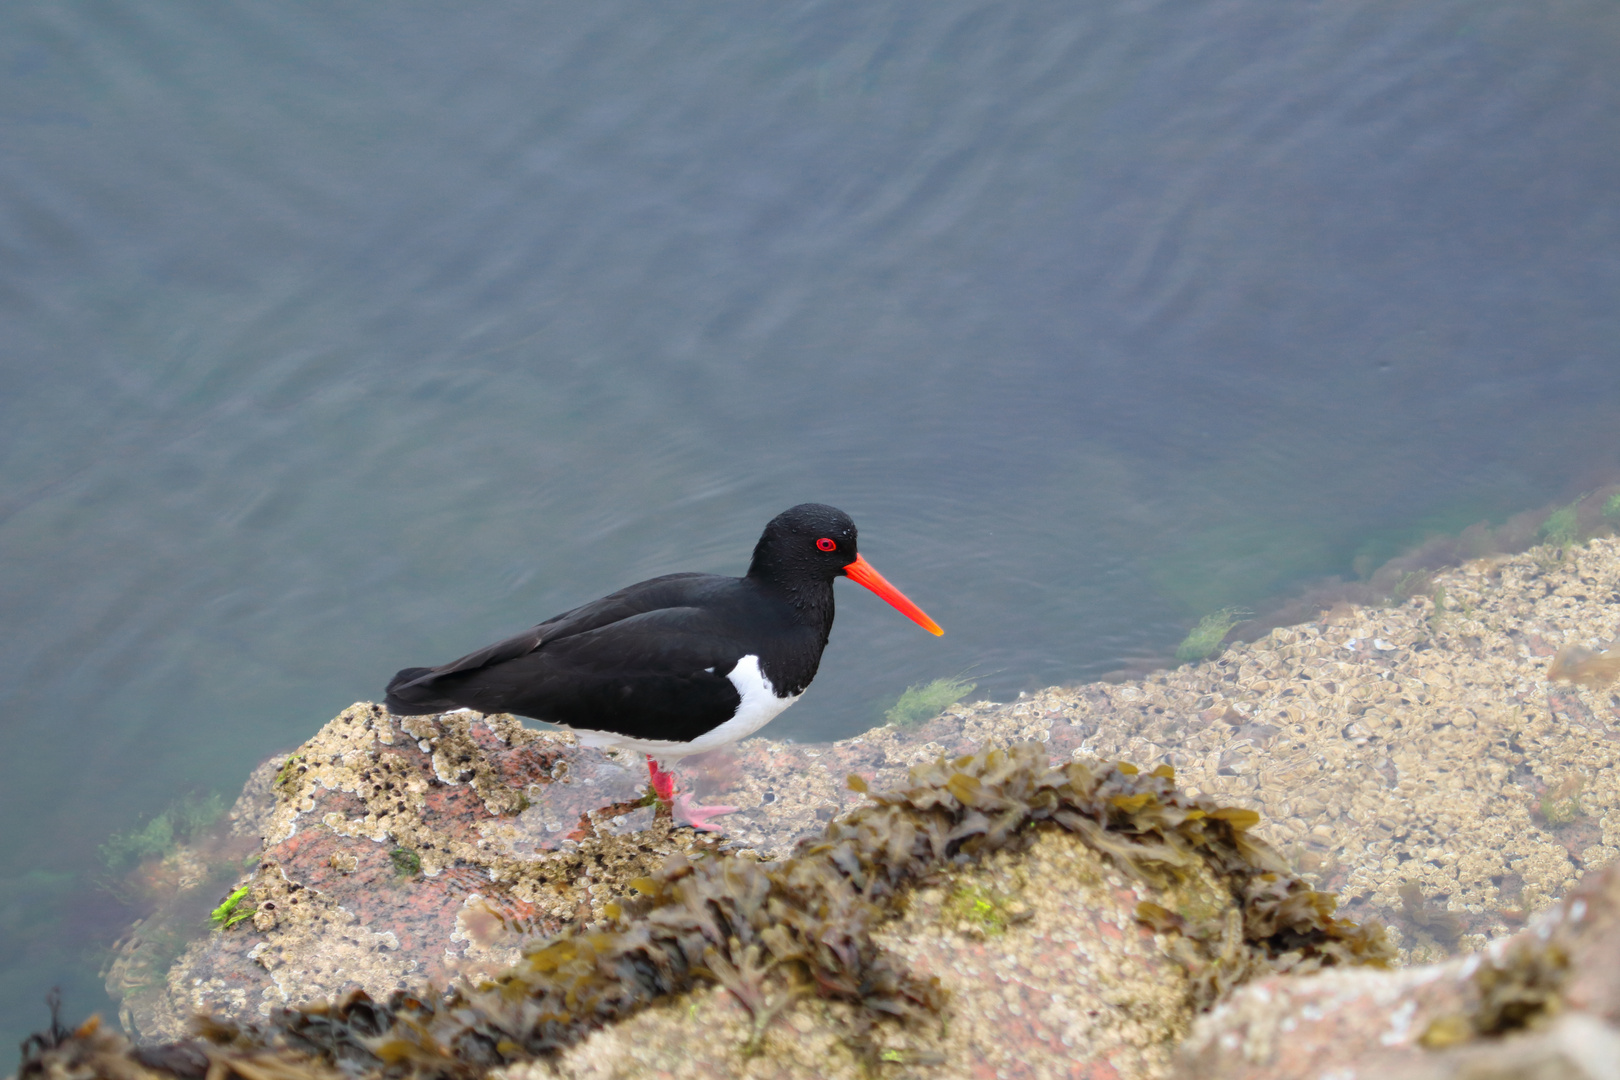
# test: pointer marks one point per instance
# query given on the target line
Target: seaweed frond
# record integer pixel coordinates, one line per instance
(1423, 914)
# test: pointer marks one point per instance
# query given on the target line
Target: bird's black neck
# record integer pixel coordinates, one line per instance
(807, 590)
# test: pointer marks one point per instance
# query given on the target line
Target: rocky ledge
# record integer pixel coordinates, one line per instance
(993, 908)
(1415, 759)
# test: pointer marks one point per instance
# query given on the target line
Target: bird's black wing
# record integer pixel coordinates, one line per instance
(671, 590)
(657, 675)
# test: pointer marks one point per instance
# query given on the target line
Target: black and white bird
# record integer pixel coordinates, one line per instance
(677, 665)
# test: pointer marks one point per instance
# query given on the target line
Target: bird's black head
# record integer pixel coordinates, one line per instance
(804, 548)
(812, 540)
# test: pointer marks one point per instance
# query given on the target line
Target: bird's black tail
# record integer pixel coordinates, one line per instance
(406, 700)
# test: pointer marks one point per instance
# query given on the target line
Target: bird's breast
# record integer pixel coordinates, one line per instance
(759, 705)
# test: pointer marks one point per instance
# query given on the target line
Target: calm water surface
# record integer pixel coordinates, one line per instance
(340, 337)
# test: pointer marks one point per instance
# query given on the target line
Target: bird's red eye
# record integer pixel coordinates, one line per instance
(826, 545)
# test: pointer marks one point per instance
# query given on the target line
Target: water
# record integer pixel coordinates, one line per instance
(340, 338)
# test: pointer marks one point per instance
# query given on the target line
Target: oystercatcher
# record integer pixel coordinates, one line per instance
(677, 665)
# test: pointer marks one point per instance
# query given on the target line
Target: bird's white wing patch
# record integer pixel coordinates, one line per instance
(759, 706)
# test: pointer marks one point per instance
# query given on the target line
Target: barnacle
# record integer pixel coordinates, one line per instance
(772, 932)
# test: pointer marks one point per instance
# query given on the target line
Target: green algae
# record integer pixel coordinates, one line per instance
(230, 911)
(772, 933)
(288, 773)
(1561, 805)
(924, 702)
(1439, 610)
(1562, 527)
(407, 863)
(987, 912)
(1410, 584)
(182, 820)
(1205, 638)
(1444, 607)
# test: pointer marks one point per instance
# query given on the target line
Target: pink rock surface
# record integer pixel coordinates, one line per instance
(1420, 1022)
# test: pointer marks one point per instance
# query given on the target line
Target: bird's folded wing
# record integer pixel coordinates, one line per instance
(669, 592)
(679, 641)
(498, 653)
(658, 675)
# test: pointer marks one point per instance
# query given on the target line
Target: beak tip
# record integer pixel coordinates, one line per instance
(860, 571)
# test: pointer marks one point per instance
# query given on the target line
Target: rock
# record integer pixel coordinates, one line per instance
(1416, 758)
(1456, 762)
(398, 851)
(991, 912)
(1070, 985)
(1541, 1005)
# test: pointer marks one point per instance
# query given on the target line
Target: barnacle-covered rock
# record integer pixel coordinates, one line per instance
(402, 850)
(1543, 1003)
(1448, 763)
(823, 925)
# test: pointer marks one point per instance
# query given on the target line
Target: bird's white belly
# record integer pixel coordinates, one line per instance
(759, 706)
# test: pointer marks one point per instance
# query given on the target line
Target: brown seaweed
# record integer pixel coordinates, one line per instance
(1423, 914)
(1585, 667)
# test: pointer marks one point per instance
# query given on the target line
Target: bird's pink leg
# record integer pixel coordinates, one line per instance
(663, 783)
(680, 805)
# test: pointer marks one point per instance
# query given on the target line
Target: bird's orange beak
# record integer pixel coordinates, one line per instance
(860, 571)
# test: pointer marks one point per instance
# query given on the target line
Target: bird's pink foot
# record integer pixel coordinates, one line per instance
(680, 806)
(698, 816)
